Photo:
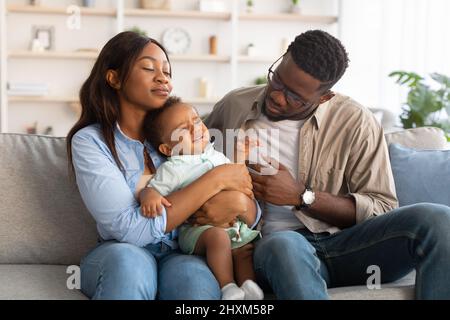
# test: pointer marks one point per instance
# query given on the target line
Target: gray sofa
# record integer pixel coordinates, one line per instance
(45, 227)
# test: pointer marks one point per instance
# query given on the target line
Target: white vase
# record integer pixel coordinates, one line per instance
(295, 8)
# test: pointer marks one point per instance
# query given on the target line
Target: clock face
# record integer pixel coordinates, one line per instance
(176, 40)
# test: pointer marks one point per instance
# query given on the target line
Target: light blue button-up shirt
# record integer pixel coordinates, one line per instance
(108, 193)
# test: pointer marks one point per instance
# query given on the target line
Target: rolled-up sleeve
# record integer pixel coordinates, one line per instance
(369, 174)
(258, 215)
(109, 199)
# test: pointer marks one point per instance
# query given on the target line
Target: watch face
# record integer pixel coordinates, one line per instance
(176, 40)
(308, 197)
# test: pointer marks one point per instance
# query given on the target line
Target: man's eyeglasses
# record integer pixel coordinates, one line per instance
(277, 84)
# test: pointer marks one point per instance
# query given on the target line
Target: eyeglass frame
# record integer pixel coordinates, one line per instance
(286, 91)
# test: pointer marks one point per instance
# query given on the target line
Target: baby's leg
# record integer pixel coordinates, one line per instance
(244, 272)
(215, 244)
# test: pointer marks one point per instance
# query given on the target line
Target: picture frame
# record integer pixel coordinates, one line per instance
(45, 35)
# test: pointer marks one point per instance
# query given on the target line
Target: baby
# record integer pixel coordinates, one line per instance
(190, 156)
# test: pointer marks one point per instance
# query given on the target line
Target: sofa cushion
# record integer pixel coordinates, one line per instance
(36, 282)
(42, 217)
(420, 175)
(430, 138)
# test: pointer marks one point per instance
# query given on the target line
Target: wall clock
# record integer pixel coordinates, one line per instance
(176, 40)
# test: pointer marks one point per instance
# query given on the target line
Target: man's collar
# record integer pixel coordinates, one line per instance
(320, 113)
(258, 103)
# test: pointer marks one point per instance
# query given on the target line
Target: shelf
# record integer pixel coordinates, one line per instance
(43, 99)
(199, 58)
(257, 59)
(288, 17)
(202, 100)
(60, 10)
(63, 99)
(178, 14)
(23, 54)
(53, 55)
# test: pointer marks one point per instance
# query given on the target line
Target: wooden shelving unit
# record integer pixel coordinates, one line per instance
(256, 59)
(288, 17)
(52, 55)
(178, 14)
(70, 100)
(60, 10)
(200, 58)
(93, 55)
(43, 99)
(119, 13)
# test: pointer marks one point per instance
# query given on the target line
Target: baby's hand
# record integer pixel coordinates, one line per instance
(152, 202)
(243, 148)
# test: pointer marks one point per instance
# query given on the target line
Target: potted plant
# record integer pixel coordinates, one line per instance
(261, 80)
(138, 31)
(295, 6)
(425, 105)
(250, 6)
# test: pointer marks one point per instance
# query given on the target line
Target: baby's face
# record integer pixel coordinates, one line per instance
(183, 130)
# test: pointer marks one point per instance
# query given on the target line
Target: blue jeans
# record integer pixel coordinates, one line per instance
(122, 271)
(301, 265)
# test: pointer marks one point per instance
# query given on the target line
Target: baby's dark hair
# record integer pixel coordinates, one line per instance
(152, 125)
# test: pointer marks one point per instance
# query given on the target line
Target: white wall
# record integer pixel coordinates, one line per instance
(66, 76)
(386, 35)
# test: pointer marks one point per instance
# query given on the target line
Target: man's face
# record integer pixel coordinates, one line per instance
(292, 94)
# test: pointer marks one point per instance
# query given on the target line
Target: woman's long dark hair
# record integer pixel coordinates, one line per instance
(99, 101)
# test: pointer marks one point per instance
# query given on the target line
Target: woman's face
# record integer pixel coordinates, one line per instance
(149, 82)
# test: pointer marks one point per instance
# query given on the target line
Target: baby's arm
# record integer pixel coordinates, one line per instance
(152, 202)
(152, 198)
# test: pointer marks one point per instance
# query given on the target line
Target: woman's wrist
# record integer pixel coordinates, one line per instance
(216, 182)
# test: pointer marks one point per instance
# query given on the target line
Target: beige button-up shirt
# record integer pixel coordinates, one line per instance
(342, 151)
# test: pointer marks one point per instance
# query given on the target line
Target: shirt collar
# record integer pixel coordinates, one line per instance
(257, 105)
(256, 110)
(190, 158)
(123, 138)
(320, 112)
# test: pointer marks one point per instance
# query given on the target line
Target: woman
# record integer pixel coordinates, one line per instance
(137, 257)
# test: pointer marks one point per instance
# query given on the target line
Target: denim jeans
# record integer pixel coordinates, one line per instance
(122, 271)
(301, 265)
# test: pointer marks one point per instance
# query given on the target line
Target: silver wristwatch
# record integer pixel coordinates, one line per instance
(307, 198)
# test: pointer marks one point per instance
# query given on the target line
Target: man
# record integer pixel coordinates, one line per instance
(329, 212)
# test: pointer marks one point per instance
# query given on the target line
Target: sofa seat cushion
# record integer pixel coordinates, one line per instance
(402, 289)
(36, 282)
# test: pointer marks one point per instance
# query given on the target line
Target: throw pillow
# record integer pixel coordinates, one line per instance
(420, 175)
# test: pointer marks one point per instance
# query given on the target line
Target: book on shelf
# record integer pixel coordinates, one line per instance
(27, 89)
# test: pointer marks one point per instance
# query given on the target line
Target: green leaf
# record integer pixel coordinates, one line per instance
(442, 79)
(410, 78)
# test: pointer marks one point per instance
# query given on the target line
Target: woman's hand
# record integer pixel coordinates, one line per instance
(233, 177)
(222, 209)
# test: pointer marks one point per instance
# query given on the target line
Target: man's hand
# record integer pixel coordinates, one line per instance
(221, 210)
(243, 148)
(152, 202)
(279, 189)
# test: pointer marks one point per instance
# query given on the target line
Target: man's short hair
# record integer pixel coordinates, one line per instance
(320, 55)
